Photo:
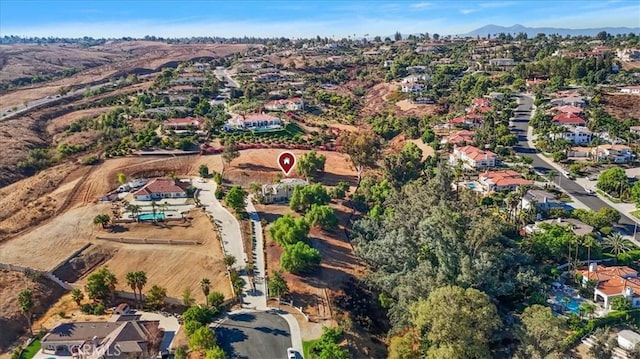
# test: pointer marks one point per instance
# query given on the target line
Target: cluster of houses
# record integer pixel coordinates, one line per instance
(611, 282)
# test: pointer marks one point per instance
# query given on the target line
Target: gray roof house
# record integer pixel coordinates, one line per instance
(281, 191)
(543, 200)
(98, 340)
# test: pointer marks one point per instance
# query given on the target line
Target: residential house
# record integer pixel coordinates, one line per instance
(579, 152)
(635, 130)
(572, 100)
(459, 138)
(269, 77)
(181, 124)
(472, 157)
(635, 90)
(467, 121)
(97, 340)
(480, 105)
(497, 181)
(543, 200)
(569, 119)
(416, 69)
(614, 281)
(281, 191)
(628, 54)
(535, 83)
(416, 78)
(566, 109)
(423, 101)
(160, 188)
(291, 104)
(577, 135)
(254, 122)
(578, 227)
(613, 153)
(412, 87)
(501, 62)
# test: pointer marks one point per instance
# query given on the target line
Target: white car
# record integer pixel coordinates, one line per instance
(292, 353)
(590, 191)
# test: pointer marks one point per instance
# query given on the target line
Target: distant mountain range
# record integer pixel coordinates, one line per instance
(533, 31)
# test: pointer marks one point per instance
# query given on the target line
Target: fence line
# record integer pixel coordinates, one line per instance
(49, 275)
(150, 241)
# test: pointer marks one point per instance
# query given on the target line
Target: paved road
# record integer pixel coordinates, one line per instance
(521, 124)
(257, 298)
(254, 335)
(223, 73)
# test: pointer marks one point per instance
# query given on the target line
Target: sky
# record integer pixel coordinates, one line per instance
(300, 18)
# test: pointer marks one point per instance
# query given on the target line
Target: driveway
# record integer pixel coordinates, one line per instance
(521, 123)
(254, 335)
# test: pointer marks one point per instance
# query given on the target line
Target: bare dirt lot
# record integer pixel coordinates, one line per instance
(260, 165)
(622, 106)
(97, 63)
(12, 321)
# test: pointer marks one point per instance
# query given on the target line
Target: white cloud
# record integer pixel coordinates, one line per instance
(468, 11)
(421, 5)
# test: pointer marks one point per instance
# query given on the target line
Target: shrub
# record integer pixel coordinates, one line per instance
(86, 308)
(99, 309)
(219, 193)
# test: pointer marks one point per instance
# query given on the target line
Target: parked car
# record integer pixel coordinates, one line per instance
(590, 191)
(292, 353)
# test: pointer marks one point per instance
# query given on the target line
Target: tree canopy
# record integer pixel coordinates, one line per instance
(299, 258)
(323, 216)
(288, 230)
(235, 199)
(311, 164)
(304, 196)
(613, 181)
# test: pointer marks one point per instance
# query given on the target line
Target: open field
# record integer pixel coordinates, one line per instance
(260, 165)
(97, 63)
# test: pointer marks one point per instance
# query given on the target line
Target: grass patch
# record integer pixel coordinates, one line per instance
(30, 351)
(566, 200)
(612, 199)
(306, 347)
(636, 214)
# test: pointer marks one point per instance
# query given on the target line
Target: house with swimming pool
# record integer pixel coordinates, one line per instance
(160, 188)
(614, 281)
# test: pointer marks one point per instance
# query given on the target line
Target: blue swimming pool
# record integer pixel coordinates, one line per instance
(573, 305)
(471, 186)
(149, 216)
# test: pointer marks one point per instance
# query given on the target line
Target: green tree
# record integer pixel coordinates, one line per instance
(428, 136)
(340, 190)
(25, 299)
(215, 353)
(230, 152)
(362, 147)
(203, 170)
(229, 260)
(304, 196)
(102, 219)
(77, 296)
(541, 333)
(205, 285)
(216, 300)
(616, 244)
(235, 199)
(122, 178)
(180, 353)
(620, 303)
(404, 166)
(101, 284)
(635, 193)
(310, 165)
(277, 285)
(197, 316)
(187, 297)
(613, 181)
(287, 230)
(202, 339)
(323, 216)
(299, 258)
(141, 282)
(402, 346)
(460, 320)
(132, 281)
(156, 296)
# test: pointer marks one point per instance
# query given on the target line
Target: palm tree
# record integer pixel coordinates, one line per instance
(134, 209)
(616, 244)
(141, 281)
(110, 280)
(551, 175)
(77, 296)
(511, 200)
(205, 285)
(102, 219)
(154, 204)
(589, 242)
(132, 282)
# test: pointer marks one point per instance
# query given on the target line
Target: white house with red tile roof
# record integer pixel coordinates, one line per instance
(508, 180)
(160, 188)
(458, 138)
(185, 123)
(577, 135)
(472, 120)
(479, 104)
(472, 157)
(569, 119)
(290, 104)
(253, 122)
(614, 281)
(614, 153)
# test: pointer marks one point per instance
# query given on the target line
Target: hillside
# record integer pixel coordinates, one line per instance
(533, 31)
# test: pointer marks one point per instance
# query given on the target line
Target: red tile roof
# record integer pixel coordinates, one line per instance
(568, 118)
(506, 178)
(475, 153)
(160, 185)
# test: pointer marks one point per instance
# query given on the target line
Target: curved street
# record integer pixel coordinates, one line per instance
(542, 165)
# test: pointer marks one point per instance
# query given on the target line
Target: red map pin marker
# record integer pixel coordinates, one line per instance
(286, 161)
